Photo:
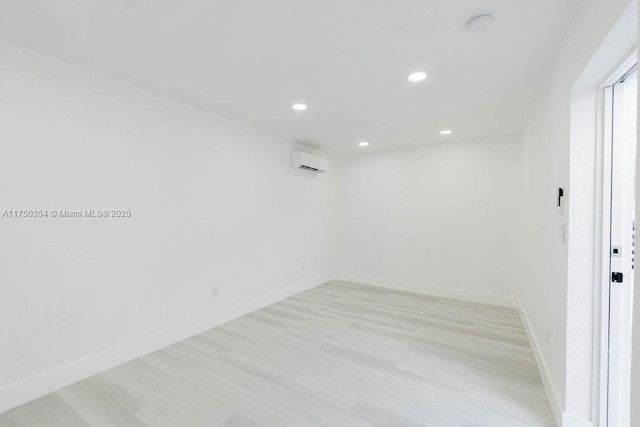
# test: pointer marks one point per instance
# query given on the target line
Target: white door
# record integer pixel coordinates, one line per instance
(623, 101)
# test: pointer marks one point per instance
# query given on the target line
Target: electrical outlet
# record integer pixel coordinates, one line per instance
(214, 290)
(547, 337)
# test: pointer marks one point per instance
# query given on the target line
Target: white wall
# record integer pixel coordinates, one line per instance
(441, 215)
(212, 201)
(554, 296)
(635, 348)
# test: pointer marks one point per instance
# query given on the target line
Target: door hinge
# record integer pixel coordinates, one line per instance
(616, 277)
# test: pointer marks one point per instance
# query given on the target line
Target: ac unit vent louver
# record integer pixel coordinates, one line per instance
(308, 162)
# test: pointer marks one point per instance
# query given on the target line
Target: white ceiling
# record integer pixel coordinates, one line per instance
(249, 60)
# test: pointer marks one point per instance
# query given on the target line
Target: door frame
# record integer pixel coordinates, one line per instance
(603, 242)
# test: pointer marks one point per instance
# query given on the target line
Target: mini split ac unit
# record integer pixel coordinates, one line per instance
(308, 162)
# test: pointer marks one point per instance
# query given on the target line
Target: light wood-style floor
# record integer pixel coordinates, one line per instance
(337, 355)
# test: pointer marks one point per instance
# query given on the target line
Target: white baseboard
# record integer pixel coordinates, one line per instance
(549, 387)
(571, 421)
(47, 382)
(438, 291)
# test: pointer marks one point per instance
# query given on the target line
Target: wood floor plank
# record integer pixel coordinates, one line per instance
(340, 354)
(51, 410)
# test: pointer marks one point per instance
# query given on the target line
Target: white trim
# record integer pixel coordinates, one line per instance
(547, 382)
(47, 382)
(571, 421)
(614, 53)
(601, 261)
(421, 288)
(562, 418)
(603, 254)
(603, 243)
(623, 68)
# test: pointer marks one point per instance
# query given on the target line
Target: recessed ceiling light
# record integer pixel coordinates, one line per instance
(299, 107)
(480, 23)
(446, 132)
(417, 77)
(363, 144)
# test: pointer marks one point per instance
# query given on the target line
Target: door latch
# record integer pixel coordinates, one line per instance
(616, 277)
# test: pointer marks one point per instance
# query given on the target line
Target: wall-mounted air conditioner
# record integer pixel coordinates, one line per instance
(308, 162)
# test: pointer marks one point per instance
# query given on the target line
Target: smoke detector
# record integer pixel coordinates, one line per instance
(480, 23)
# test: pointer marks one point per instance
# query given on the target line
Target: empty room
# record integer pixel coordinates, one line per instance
(319, 213)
